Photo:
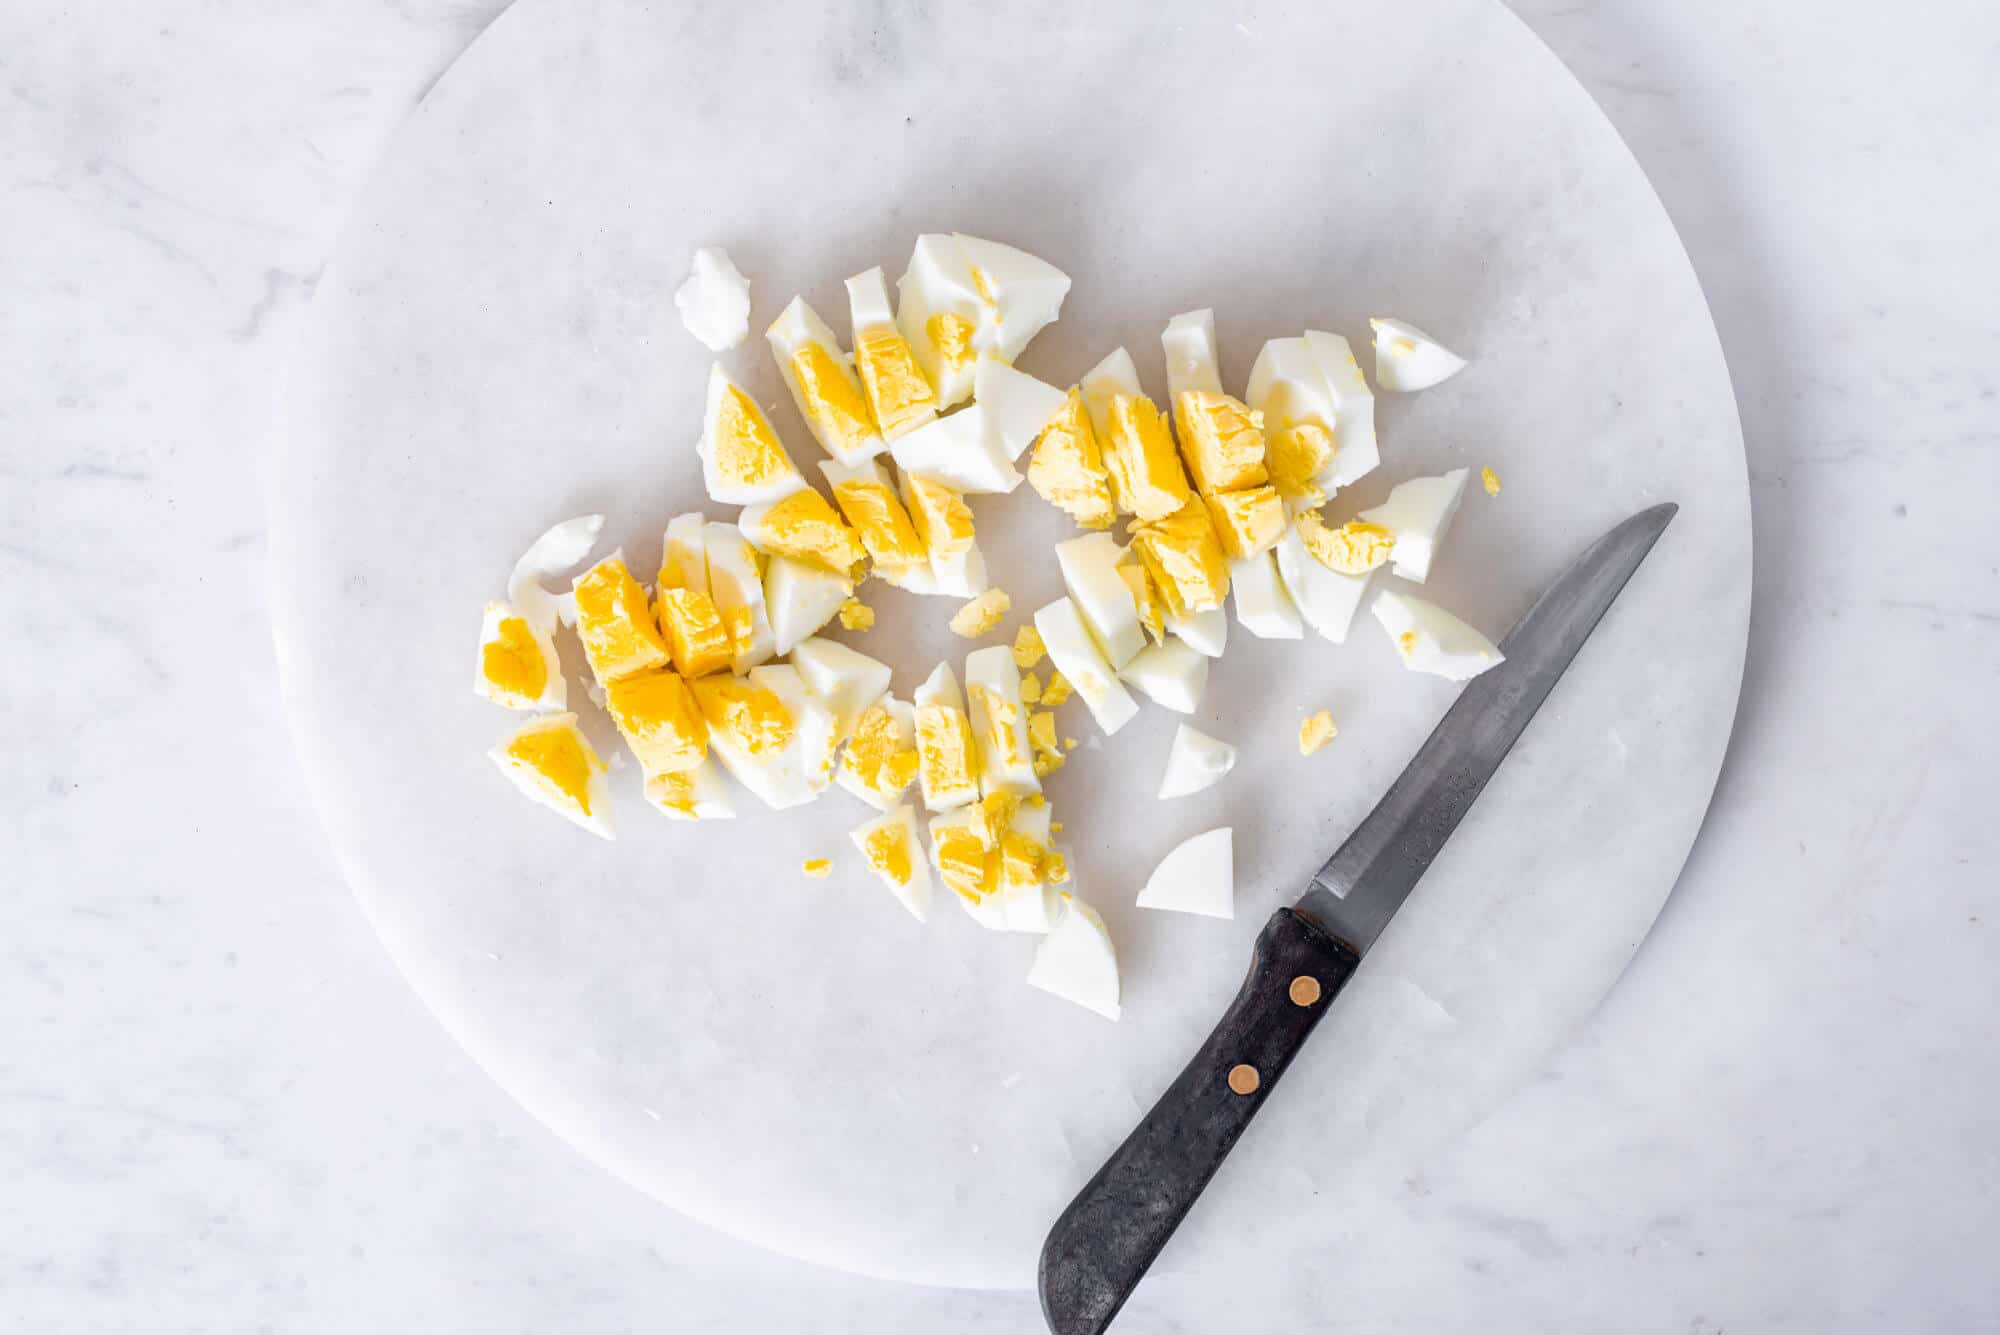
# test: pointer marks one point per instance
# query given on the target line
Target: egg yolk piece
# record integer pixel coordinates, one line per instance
(1247, 521)
(899, 395)
(881, 522)
(747, 452)
(1355, 548)
(805, 527)
(1184, 557)
(1297, 454)
(511, 663)
(559, 762)
(941, 517)
(698, 640)
(876, 757)
(1146, 476)
(1222, 440)
(838, 411)
(658, 718)
(614, 623)
(1067, 468)
(888, 853)
(751, 716)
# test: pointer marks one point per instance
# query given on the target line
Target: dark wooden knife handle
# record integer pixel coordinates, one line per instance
(1109, 1235)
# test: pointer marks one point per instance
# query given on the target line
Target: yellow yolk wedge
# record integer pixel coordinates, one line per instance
(1184, 557)
(697, 639)
(804, 527)
(1146, 476)
(742, 461)
(1067, 468)
(552, 762)
(1222, 440)
(1355, 548)
(1294, 456)
(899, 394)
(867, 500)
(1247, 521)
(825, 388)
(752, 717)
(981, 615)
(658, 718)
(614, 623)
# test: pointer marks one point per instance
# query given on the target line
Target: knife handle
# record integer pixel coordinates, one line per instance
(1109, 1235)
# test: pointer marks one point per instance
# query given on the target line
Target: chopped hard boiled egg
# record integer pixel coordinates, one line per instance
(899, 394)
(981, 615)
(1326, 599)
(1319, 416)
(736, 585)
(1145, 595)
(1018, 406)
(1407, 359)
(1354, 429)
(967, 859)
(1199, 876)
(825, 388)
(1184, 556)
(1057, 692)
(950, 311)
(770, 732)
(1067, 469)
(742, 460)
(1076, 960)
(1020, 294)
(1247, 520)
(1194, 762)
(801, 597)
(943, 522)
(1083, 665)
(958, 451)
(697, 639)
(692, 794)
(1028, 902)
(1170, 674)
(1222, 440)
(1262, 604)
(1192, 364)
(1316, 732)
(1355, 548)
(1207, 633)
(561, 548)
(1146, 476)
(619, 635)
(1432, 640)
(518, 668)
(880, 759)
(948, 763)
(867, 499)
(550, 760)
(1419, 512)
(805, 527)
(999, 721)
(658, 718)
(846, 681)
(890, 847)
(1090, 570)
(714, 302)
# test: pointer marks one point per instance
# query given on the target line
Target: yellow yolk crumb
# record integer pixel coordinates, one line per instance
(1247, 521)
(1355, 548)
(1071, 743)
(980, 615)
(951, 335)
(1057, 691)
(618, 634)
(1133, 572)
(1184, 557)
(1146, 476)
(658, 718)
(1222, 440)
(1055, 868)
(697, 638)
(1042, 736)
(898, 394)
(882, 523)
(511, 663)
(804, 527)
(856, 615)
(746, 449)
(942, 519)
(1295, 455)
(559, 761)
(1031, 688)
(983, 285)
(1491, 481)
(1028, 647)
(1406, 643)
(888, 852)
(754, 718)
(946, 755)
(1316, 732)
(876, 756)
(1067, 469)
(832, 401)
(817, 868)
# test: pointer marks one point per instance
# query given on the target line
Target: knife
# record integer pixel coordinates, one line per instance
(1102, 1244)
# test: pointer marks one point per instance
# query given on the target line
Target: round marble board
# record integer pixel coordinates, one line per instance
(798, 1062)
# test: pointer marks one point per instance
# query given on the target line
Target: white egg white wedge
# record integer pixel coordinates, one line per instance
(1022, 294)
(1089, 567)
(1407, 359)
(1192, 363)
(714, 302)
(1354, 430)
(556, 552)
(1102, 383)
(936, 290)
(1326, 599)
(1028, 903)
(999, 722)
(1195, 761)
(542, 754)
(1288, 387)
(1076, 960)
(1199, 876)
(1017, 405)
(1263, 607)
(959, 451)
(890, 846)
(846, 680)
(834, 406)
(1419, 512)
(1169, 674)
(1432, 640)
(737, 587)
(799, 771)
(700, 793)
(742, 460)
(499, 629)
(944, 791)
(684, 553)
(1207, 633)
(800, 598)
(1078, 658)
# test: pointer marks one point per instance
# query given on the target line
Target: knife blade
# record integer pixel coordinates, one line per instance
(1103, 1243)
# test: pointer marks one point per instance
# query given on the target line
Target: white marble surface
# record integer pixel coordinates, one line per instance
(220, 1109)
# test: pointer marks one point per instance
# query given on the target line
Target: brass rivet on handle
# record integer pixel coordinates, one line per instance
(1243, 1079)
(1305, 990)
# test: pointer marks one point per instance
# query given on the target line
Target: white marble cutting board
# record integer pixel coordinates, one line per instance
(796, 1061)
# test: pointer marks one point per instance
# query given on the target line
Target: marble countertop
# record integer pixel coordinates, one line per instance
(221, 1109)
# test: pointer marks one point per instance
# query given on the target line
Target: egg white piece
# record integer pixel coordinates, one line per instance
(903, 718)
(939, 282)
(940, 688)
(1207, 633)
(1002, 769)
(846, 680)
(989, 911)
(1407, 359)
(1021, 294)
(1288, 387)
(915, 893)
(685, 548)
(784, 480)
(959, 451)
(735, 582)
(1195, 761)
(1169, 674)
(714, 302)
(527, 778)
(1030, 907)
(1432, 640)
(1076, 960)
(1263, 607)
(1199, 876)
(1102, 383)
(708, 794)
(796, 327)
(1419, 512)
(556, 552)
(800, 598)
(1089, 566)
(1354, 428)
(555, 690)
(1077, 657)
(1326, 598)
(803, 769)
(1017, 405)
(1192, 361)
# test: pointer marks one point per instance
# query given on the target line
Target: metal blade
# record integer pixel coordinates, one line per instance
(1363, 884)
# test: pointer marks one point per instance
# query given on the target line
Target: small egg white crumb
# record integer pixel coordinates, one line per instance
(714, 302)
